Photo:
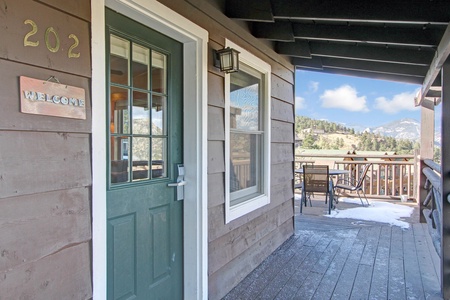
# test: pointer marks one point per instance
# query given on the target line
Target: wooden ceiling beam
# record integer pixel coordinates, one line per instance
(249, 10)
(371, 75)
(416, 37)
(278, 31)
(295, 49)
(322, 63)
(308, 63)
(380, 11)
(377, 67)
(412, 56)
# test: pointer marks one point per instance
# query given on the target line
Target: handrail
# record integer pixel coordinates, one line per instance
(432, 210)
(433, 165)
(433, 177)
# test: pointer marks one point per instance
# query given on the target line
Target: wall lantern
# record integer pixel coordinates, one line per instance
(227, 60)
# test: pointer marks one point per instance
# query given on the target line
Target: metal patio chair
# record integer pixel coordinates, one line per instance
(316, 179)
(354, 185)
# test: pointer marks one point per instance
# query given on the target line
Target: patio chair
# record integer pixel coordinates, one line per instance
(354, 185)
(315, 179)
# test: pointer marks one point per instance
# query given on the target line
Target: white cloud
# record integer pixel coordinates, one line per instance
(344, 97)
(313, 86)
(402, 101)
(300, 103)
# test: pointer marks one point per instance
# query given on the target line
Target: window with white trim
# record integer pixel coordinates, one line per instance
(247, 130)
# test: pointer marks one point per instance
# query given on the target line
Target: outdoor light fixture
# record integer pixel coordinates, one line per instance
(227, 60)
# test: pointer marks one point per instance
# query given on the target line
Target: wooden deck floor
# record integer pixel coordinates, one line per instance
(331, 258)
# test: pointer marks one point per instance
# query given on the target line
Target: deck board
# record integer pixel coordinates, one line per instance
(396, 289)
(346, 259)
(379, 283)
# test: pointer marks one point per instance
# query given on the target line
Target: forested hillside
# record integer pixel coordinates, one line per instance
(319, 134)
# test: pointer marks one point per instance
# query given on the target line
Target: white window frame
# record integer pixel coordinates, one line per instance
(243, 208)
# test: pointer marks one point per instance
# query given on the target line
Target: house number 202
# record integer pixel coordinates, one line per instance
(51, 47)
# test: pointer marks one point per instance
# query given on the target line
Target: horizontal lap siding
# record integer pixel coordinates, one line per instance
(45, 162)
(238, 247)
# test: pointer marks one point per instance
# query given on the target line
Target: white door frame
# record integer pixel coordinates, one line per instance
(195, 46)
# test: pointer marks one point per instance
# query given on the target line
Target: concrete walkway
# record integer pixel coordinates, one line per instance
(331, 258)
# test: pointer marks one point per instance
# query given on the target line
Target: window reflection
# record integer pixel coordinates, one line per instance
(158, 157)
(119, 60)
(119, 118)
(138, 112)
(141, 62)
(159, 69)
(141, 113)
(246, 134)
(159, 104)
(119, 159)
(141, 154)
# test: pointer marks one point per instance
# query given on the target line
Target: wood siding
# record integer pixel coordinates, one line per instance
(45, 162)
(235, 249)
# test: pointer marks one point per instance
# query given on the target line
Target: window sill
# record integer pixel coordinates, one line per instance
(238, 210)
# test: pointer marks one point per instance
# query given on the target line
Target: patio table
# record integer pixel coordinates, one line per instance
(331, 172)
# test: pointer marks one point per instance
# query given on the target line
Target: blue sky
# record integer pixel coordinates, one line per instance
(353, 100)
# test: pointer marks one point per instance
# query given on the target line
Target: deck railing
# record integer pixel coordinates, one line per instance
(432, 206)
(390, 176)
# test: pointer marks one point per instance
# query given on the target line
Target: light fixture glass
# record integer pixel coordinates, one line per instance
(227, 60)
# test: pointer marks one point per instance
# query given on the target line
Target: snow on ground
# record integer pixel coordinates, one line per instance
(378, 211)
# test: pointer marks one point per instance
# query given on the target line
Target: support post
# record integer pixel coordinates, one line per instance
(426, 148)
(445, 181)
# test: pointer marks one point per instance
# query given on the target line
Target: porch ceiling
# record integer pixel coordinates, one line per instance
(384, 39)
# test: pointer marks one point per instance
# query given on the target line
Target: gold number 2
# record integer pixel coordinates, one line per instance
(75, 44)
(33, 31)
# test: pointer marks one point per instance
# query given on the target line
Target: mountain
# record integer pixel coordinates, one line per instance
(401, 129)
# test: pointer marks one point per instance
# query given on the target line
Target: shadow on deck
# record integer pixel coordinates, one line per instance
(330, 258)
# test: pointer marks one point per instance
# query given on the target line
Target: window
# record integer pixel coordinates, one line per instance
(247, 144)
(137, 112)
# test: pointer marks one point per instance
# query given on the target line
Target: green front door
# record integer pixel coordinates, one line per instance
(145, 233)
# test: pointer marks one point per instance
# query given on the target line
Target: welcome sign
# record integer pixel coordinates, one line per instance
(51, 99)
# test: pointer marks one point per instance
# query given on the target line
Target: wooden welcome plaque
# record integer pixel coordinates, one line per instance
(51, 99)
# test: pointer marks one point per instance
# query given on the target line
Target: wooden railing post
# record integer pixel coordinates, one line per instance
(426, 148)
(445, 180)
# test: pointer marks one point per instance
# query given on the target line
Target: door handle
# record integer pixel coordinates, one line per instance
(180, 183)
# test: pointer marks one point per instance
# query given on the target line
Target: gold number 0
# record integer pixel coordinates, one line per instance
(75, 44)
(33, 31)
(47, 42)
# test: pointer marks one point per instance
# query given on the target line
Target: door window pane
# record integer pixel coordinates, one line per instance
(159, 69)
(159, 159)
(119, 159)
(141, 154)
(119, 118)
(119, 60)
(141, 113)
(141, 62)
(159, 104)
